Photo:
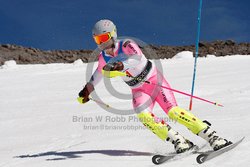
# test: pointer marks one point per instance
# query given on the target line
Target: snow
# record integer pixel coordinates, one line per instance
(42, 124)
(9, 64)
(184, 55)
(78, 62)
(211, 56)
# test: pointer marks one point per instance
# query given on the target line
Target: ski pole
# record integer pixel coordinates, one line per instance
(177, 91)
(99, 102)
(80, 100)
(196, 54)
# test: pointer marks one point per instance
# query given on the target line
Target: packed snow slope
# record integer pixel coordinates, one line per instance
(42, 124)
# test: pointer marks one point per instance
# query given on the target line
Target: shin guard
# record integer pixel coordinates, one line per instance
(154, 124)
(187, 119)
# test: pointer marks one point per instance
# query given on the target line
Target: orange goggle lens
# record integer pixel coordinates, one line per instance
(102, 38)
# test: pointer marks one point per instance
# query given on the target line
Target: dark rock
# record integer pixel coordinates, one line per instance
(211, 50)
(6, 45)
(229, 42)
(31, 55)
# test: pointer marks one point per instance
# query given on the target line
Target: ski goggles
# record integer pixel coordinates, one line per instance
(102, 38)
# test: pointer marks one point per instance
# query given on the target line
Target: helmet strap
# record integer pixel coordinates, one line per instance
(113, 45)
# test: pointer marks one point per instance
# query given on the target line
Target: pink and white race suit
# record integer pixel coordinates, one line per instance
(136, 64)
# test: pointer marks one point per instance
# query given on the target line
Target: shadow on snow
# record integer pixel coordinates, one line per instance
(77, 154)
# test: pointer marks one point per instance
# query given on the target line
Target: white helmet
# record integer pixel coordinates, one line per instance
(104, 27)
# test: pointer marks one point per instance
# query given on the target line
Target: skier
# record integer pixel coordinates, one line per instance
(138, 66)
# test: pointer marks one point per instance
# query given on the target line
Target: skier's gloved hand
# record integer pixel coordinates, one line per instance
(84, 93)
(114, 69)
(115, 66)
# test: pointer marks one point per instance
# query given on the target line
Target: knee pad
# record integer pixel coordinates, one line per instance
(152, 123)
(187, 119)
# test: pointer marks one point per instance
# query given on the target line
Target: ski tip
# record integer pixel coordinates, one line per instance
(242, 138)
(156, 159)
(201, 158)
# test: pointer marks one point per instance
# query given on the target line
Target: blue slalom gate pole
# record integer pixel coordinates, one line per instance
(196, 54)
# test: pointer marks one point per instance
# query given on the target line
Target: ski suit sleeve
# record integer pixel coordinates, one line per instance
(95, 78)
(97, 75)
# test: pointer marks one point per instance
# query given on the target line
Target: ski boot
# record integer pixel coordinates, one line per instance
(165, 132)
(181, 144)
(213, 139)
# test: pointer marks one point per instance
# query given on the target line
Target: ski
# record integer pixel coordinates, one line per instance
(205, 156)
(159, 159)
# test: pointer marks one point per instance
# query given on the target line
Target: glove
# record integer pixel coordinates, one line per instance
(84, 93)
(116, 66)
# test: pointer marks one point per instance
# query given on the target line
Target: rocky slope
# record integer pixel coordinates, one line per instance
(23, 55)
